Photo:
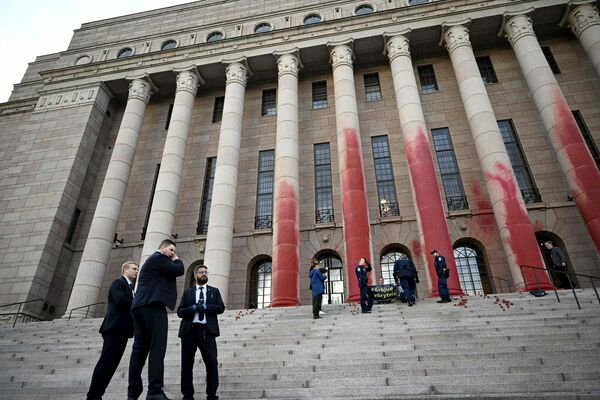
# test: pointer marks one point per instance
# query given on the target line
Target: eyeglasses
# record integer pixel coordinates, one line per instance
(202, 272)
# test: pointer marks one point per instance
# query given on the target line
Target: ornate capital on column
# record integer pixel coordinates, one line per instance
(397, 46)
(188, 81)
(582, 17)
(341, 54)
(456, 36)
(288, 63)
(140, 89)
(518, 27)
(237, 73)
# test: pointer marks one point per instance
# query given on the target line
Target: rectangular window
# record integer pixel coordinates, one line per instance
(169, 113)
(319, 95)
(264, 190)
(587, 136)
(218, 109)
(372, 87)
(384, 176)
(269, 103)
(519, 163)
(427, 79)
(323, 188)
(486, 69)
(209, 178)
(73, 226)
(150, 202)
(451, 181)
(551, 60)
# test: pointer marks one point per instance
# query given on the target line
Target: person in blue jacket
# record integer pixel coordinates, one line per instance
(406, 275)
(317, 285)
(366, 301)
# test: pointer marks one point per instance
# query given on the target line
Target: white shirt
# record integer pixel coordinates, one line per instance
(130, 284)
(197, 316)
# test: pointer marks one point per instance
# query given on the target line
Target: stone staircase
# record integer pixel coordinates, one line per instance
(512, 346)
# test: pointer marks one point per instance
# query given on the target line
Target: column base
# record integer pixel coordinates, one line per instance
(285, 302)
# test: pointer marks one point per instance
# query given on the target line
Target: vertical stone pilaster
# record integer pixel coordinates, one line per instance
(355, 212)
(96, 252)
(431, 218)
(219, 237)
(571, 150)
(514, 225)
(164, 205)
(286, 207)
(584, 21)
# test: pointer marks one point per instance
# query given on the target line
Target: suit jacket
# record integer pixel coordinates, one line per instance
(157, 281)
(117, 320)
(214, 306)
(558, 257)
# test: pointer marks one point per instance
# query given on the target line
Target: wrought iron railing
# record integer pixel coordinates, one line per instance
(389, 209)
(24, 316)
(263, 222)
(531, 196)
(456, 203)
(324, 216)
(87, 309)
(499, 284)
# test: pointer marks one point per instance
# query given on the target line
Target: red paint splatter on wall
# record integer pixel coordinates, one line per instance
(432, 219)
(581, 170)
(485, 222)
(416, 248)
(286, 256)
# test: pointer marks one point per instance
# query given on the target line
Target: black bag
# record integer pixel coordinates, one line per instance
(447, 272)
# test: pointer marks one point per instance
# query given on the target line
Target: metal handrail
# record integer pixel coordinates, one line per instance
(567, 274)
(20, 304)
(87, 311)
(502, 280)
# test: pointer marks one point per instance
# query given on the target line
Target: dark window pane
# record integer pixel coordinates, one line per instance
(319, 94)
(427, 79)
(551, 60)
(384, 176)
(168, 45)
(145, 227)
(263, 27)
(169, 113)
(451, 181)
(587, 136)
(372, 87)
(264, 191)
(218, 109)
(126, 52)
(363, 9)
(209, 178)
(486, 69)
(214, 36)
(269, 102)
(312, 19)
(323, 188)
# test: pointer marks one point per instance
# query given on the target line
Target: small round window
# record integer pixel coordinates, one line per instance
(168, 45)
(214, 36)
(263, 27)
(363, 9)
(126, 52)
(83, 60)
(312, 19)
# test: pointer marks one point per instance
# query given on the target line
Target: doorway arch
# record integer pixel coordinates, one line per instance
(471, 268)
(560, 281)
(259, 290)
(334, 285)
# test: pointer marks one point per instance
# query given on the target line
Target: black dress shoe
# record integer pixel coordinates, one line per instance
(161, 396)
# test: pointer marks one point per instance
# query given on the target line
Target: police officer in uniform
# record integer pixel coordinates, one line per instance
(442, 273)
(406, 275)
(366, 301)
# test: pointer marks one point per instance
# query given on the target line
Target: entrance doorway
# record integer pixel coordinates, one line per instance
(560, 280)
(334, 285)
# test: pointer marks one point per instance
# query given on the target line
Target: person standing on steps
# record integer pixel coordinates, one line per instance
(559, 263)
(156, 289)
(116, 329)
(317, 285)
(406, 275)
(366, 301)
(443, 273)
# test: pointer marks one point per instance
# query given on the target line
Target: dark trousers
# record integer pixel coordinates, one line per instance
(150, 341)
(112, 351)
(317, 302)
(199, 339)
(443, 288)
(408, 287)
(366, 301)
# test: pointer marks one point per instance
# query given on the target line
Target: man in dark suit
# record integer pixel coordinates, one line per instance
(199, 328)
(156, 288)
(443, 273)
(116, 329)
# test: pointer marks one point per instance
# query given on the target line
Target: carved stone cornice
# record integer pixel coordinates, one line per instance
(518, 27)
(341, 54)
(236, 72)
(582, 17)
(188, 81)
(140, 89)
(288, 63)
(98, 95)
(456, 36)
(397, 46)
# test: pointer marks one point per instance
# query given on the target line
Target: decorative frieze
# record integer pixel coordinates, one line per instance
(518, 27)
(582, 17)
(456, 36)
(99, 95)
(397, 46)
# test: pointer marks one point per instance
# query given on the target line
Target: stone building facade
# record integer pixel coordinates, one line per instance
(261, 134)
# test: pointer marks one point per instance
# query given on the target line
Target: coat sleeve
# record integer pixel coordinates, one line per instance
(217, 307)
(185, 309)
(118, 292)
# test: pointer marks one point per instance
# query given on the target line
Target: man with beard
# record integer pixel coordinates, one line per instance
(199, 328)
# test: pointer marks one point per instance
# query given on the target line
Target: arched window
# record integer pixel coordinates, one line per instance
(169, 44)
(263, 27)
(363, 9)
(83, 60)
(214, 36)
(334, 285)
(387, 265)
(469, 264)
(125, 52)
(312, 19)
(260, 285)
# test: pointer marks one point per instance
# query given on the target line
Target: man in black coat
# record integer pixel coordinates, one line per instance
(442, 272)
(559, 263)
(116, 329)
(199, 328)
(405, 274)
(156, 288)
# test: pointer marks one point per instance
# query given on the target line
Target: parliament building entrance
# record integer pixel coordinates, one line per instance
(334, 285)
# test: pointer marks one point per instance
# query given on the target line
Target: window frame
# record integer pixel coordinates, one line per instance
(423, 75)
(264, 220)
(218, 107)
(167, 42)
(120, 55)
(268, 106)
(370, 94)
(214, 33)
(260, 24)
(207, 191)
(490, 72)
(319, 103)
(323, 214)
(456, 200)
(312, 14)
(388, 207)
(355, 10)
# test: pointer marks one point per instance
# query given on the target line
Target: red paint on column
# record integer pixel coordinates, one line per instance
(518, 233)
(482, 210)
(416, 248)
(428, 202)
(582, 173)
(354, 209)
(286, 257)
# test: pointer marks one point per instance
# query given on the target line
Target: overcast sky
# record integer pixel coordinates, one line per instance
(30, 28)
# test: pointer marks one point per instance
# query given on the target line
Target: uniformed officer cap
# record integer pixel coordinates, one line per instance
(433, 251)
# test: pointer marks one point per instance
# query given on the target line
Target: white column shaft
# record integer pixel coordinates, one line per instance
(584, 21)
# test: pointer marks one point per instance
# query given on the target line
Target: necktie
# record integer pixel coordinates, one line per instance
(201, 301)
(131, 288)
